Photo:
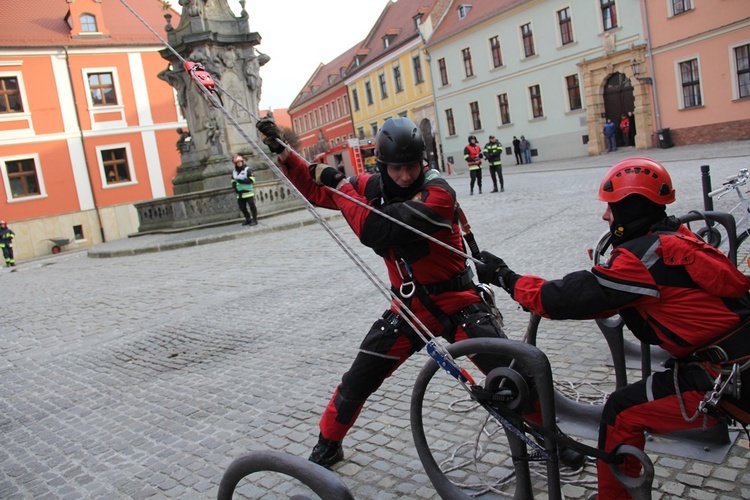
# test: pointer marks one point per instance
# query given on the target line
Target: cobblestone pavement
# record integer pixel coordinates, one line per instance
(144, 376)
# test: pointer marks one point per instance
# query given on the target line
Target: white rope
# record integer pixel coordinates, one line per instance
(411, 319)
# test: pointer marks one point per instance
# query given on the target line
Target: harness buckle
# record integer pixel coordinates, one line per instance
(407, 289)
(713, 354)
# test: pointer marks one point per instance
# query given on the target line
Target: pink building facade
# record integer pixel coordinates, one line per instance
(699, 67)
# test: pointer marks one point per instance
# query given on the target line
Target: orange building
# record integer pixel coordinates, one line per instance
(320, 113)
(86, 126)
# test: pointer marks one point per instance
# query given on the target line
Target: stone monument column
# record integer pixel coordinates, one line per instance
(211, 34)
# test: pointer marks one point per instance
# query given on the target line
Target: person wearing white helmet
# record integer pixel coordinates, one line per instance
(243, 183)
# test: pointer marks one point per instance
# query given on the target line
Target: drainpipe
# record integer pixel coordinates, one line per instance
(651, 65)
(83, 145)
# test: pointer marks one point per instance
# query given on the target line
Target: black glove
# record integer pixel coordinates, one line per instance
(326, 175)
(269, 133)
(495, 271)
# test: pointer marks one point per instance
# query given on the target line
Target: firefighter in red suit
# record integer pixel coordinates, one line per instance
(671, 289)
(445, 297)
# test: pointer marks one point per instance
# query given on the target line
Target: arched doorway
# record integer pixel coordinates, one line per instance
(430, 148)
(618, 100)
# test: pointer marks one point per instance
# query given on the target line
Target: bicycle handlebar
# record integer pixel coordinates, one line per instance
(719, 191)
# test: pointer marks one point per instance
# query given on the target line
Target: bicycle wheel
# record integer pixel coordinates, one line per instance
(464, 451)
(743, 252)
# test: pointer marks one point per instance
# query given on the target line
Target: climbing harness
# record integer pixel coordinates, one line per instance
(208, 88)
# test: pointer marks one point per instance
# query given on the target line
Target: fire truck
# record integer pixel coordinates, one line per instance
(355, 155)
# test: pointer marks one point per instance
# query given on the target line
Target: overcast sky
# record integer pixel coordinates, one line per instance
(301, 34)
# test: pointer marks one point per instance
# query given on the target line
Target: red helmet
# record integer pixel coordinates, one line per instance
(238, 159)
(638, 175)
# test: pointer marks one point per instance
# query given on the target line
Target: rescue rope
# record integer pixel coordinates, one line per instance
(409, 317)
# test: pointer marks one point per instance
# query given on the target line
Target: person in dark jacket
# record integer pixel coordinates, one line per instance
(671, 289)
(517, 150)
(6, 243)
(610, 134)
(493, 152)
(445, 298)
(473, 157)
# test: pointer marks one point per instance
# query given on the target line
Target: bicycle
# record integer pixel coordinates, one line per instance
(741, 212)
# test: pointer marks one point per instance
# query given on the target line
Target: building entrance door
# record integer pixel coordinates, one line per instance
(430, 149)
(618, 101)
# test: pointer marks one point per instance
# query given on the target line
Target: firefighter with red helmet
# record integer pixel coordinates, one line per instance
(433, 281)
(6, 243)
(672, 290)
(243, 182)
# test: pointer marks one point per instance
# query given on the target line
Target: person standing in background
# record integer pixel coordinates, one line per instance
(625, 129)
(631, 129)
(517, 150)
(526, 149)
(473, 157)
(493, 152)
(243, 182)
(6, 243)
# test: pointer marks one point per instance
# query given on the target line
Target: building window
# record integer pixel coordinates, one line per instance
(468, 68)
(417, 21)
(443, 70)
(463, 10)
(338, 105)
(345, 102)
(574, 92)
(497, 58)
(566, 26)
(535, 94)
(10, 95)
(691, 84)
(355, 99)
(373, 129)
(360, 133)
(417, 64)
(317, 118)
(742, 58)
(398, 82)
(88, 24)
(528, 40)
(368, 93)
(450, 121)
(115, 165)
(328, 113)
(476, 120)
(383, 86)
(502, 102)
(102, 88)
(78, 233)
(609, 14)
(22, 178)
(307, 124)
(680, 6)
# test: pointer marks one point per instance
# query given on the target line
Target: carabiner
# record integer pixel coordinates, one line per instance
(407, 289)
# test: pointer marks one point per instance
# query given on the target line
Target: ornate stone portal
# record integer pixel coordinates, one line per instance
(210, 33)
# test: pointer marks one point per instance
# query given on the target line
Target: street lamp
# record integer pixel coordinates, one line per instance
(636, 67)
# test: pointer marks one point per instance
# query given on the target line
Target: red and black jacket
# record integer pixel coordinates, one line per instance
(432, 209)
(670, 288)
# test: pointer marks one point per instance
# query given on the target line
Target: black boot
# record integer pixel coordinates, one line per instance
(253, 222)
(327, 452)
(570, 457)
(567, 456)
